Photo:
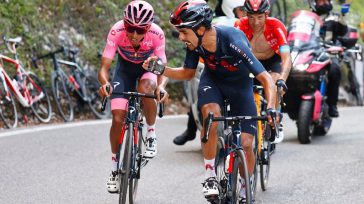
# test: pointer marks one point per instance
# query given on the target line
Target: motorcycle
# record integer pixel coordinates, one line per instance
(307, 82)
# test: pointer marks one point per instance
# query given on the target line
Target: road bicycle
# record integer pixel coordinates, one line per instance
(130, 157)
(263, 146)
(27, 88)
(69, 79)
(230, 155)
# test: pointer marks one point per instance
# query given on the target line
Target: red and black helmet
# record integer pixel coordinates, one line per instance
(256, 6)
(192, 14)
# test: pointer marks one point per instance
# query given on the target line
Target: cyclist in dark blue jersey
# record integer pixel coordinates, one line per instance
(228, 62)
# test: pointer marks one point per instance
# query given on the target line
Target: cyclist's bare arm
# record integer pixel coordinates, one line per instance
(103, 76)
(180, 73)
(286, 65)
(269, 88)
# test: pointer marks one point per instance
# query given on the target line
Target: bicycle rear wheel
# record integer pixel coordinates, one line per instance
(8, 111)
(265, 157)
(125, 171)
(61, 97)
(136, 167)
(42, 107)
(94, 102)
(240, 160)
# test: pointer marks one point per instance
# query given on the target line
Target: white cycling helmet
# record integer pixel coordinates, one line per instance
(228, 7)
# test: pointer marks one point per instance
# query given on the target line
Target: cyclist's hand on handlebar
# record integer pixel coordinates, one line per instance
(103, 92)
(282, 87)
(158, 91)
(273, 116)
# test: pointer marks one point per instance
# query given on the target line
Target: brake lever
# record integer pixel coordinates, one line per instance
(161, 105)
(104, 100)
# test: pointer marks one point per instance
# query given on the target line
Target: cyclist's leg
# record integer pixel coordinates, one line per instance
(210, 99)
(148, 84)
(273, 66)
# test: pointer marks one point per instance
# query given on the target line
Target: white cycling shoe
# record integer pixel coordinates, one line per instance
(210, 188)
(113, 183)
(279, 138)
(151, 148)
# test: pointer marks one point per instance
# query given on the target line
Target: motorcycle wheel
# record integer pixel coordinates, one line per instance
(304, 123)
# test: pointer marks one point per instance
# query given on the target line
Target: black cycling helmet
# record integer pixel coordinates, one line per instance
(256, 6)
(192, 14)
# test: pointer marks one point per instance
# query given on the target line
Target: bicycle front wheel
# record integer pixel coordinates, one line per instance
(125, 171)
(240, 160)
(62, 97)
(136, 164)
(41, 107)
(8, 111)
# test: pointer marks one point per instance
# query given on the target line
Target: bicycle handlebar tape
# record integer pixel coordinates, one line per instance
(104, 100)
(161, 105)
(156, 66)
(208, 122)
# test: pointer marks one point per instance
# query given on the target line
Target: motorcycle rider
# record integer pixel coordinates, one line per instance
(333, 27)
(224, 12)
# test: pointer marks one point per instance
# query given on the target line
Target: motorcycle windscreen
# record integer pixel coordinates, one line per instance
(303, 35)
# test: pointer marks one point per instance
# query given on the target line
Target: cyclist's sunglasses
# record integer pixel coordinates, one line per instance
(139, 30)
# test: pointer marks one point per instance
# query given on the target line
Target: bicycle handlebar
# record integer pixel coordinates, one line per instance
(137, 95)
(210, 118)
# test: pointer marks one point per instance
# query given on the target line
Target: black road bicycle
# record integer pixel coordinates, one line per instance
(69, 79)
(230, 155)
(130, 157)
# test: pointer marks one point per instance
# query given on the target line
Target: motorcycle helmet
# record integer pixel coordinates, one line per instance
(320, 9)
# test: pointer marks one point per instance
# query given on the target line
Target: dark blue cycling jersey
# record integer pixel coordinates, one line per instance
(233, 59)
(226, 74)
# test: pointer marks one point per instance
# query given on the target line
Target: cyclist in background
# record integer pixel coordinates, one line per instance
(135, 38)
(334, 26)
(226, 12)
(268, 38)
(228, 63)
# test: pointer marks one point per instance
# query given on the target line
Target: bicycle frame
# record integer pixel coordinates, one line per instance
(73, 79)
(23, 97)
(133, 118)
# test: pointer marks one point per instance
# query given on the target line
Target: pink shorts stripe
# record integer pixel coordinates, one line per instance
(119, 104)
(149, 75)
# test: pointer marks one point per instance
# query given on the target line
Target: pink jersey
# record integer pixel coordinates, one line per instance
(153, 44)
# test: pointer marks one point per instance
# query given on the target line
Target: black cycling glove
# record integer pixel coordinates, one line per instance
(282, 84)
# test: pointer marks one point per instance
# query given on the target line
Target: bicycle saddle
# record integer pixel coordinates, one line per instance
(14, 40)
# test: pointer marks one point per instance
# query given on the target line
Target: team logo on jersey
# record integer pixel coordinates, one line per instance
(161, 36)
(205, 88)
(116, 84)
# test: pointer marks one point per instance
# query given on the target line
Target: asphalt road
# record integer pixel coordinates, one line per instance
(70, 164)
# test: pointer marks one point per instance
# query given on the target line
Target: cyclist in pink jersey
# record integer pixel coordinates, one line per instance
(135, 38)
